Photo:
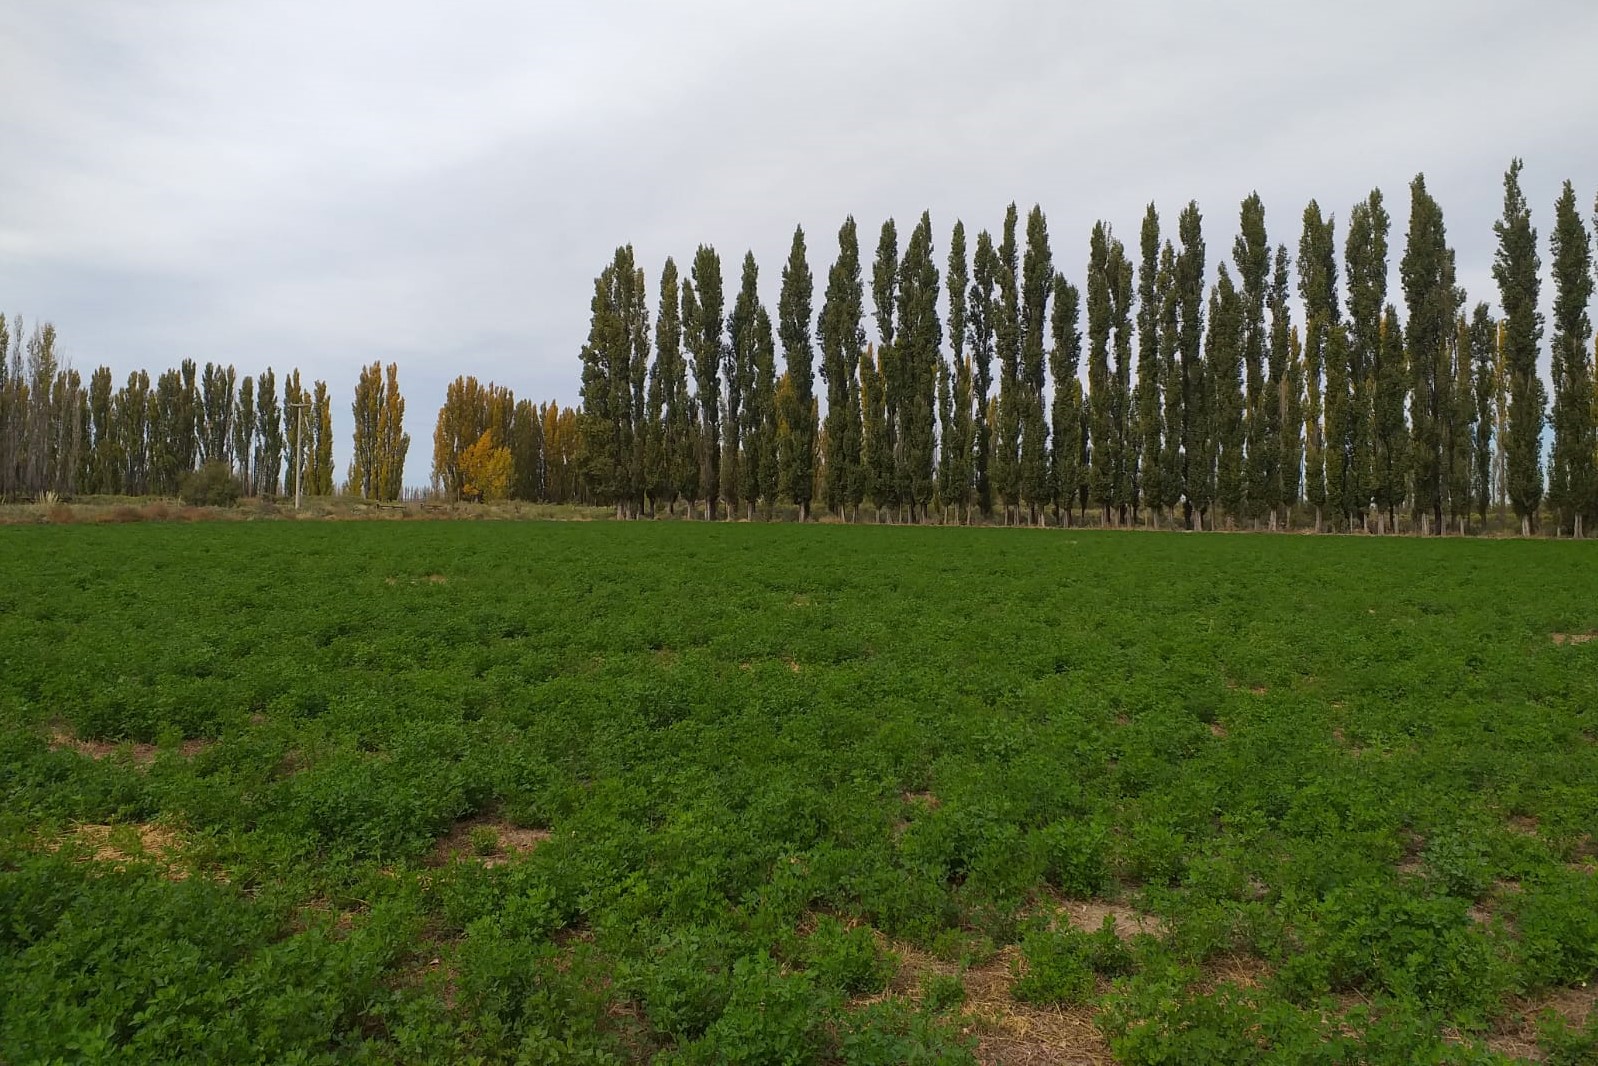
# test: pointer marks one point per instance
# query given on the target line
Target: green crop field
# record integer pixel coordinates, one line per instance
(448, 792)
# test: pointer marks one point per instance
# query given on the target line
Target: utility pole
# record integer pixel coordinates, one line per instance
(299, 450)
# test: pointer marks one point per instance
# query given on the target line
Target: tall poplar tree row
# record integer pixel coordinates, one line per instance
(1572, 487)
(614, 375)
(1037, 282)
(1284, 402)
(1427, 270)
(1515, 268)
(920, 340)
(1484, 356)
(737, 377)
(1223, 358)
(1147, 406)
(960, 431)
(1006, 465)
(797, 461)
(1251, 255)
(981, 323)
(1065, 358)
(1171, 380)
(885, 454)
(842, 338)
(1188, 299)
(1379, 437)
(702, 322)
(1317, 287)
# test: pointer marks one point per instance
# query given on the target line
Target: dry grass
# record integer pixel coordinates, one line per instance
(1575, 638)
(1516, 1034)
(120, 846)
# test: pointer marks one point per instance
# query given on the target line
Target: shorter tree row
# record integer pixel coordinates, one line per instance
(145, 437)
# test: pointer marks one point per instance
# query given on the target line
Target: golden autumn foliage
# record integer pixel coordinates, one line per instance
(486, 469)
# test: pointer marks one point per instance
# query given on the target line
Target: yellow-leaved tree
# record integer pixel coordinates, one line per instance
(486, 470)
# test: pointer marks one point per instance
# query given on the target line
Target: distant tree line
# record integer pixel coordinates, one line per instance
(1203, 404)
(144, 438)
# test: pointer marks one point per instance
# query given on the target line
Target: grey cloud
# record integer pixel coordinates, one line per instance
(323, 185)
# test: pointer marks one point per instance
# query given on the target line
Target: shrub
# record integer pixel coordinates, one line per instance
(848, 959)
(213, 485)
(1058, 968)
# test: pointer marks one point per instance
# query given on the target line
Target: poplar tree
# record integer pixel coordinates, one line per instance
(794, 318)
(269, 428)
(1317, 286)
(876, 457)
(1390, 457)
(959, 430)
(1065, 357)
(1006, 470)
(702, 308)
(1372, 412)
(1101, 456)
(1188, 297)
(920, 342)
(1037, 281)
(131, 412)
(1224, 359)
(614, 374)
(1122, 415)
(1280, 429)
(981, 322)
(1457, 442)
(393, 442)
(294, 421)
(217, 385)
(673, 465)
(1572, 484)
(1515, 268)
(886, 477)
(737, 377)
(1484, 354)
(763, 467)
(842, 338)
(319, 480)
(1171, 380)
(243, 430)
(1427, 270)
(527, 452)
(1251, 254)
(1150, 413)
(1378, 382)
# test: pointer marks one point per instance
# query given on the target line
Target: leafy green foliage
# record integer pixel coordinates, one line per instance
(213, 485)
(750, 801)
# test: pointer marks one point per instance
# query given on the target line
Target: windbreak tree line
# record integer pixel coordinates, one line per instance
(144, 437)
(1158, 390)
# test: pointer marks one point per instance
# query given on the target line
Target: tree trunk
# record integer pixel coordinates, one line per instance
(1525, 525)
(1317, 519)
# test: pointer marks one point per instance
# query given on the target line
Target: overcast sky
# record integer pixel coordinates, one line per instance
(324, 184)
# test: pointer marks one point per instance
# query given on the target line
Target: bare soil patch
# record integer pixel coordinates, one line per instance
(142, 754)
(486, 839)
(1007, 1033)
(1574, 638)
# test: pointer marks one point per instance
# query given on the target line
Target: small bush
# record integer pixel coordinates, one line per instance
(1058, 969)
(943, 991)
(848, 959)
(213, 485)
